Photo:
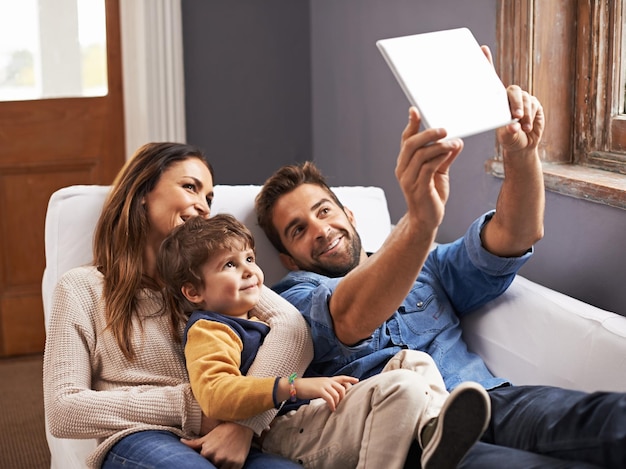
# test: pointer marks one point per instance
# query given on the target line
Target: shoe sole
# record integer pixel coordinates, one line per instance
(463, 419)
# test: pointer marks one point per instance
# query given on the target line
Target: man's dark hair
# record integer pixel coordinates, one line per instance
(283, 181)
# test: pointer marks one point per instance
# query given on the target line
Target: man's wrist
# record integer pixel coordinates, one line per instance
(520, 155)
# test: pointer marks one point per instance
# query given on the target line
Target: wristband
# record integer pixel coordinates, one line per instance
(292, 387)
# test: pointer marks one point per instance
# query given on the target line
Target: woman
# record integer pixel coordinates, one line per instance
(113, 364)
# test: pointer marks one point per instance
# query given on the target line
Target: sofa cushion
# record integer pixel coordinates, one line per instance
(73, 212)
(535, 335)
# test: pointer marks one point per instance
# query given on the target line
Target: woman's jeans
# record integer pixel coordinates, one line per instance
(164, 450)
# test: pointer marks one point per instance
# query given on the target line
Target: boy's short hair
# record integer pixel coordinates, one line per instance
(190, 246)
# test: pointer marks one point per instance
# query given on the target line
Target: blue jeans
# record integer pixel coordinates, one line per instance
(163, 450)
(543, 426)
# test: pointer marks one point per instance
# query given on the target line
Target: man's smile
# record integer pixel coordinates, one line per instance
(331, 246)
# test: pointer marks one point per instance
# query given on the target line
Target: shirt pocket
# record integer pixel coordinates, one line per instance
(422, 312)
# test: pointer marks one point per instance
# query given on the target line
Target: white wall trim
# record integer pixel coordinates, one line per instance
(152, 61)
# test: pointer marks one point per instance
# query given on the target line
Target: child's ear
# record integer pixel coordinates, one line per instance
(191, 293)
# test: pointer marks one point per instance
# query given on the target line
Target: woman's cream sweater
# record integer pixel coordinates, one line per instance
(92, 391)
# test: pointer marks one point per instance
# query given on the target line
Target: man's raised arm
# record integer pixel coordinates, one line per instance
(518, 221)
(371, 293)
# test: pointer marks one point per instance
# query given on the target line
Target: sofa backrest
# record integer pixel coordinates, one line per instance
(73, 212)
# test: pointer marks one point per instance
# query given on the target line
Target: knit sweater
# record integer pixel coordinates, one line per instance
(92, 391)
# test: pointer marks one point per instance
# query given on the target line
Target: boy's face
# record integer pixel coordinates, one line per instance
(232, 283)
(318, 235)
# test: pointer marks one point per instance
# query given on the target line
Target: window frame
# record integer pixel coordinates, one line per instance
(584, 144)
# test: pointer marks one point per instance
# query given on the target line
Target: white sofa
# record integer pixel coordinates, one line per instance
(531, 335)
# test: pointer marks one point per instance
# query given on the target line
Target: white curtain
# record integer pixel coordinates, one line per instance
(152, 60)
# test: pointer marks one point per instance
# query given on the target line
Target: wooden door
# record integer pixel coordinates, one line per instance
(45, 145)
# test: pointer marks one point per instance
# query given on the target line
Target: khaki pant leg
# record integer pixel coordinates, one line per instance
(373, 426)
(422, 364)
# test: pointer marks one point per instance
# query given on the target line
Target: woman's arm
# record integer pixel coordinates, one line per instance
(90, 389)
(287, 349)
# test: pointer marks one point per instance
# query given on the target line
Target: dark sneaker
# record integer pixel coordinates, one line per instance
(463, 419)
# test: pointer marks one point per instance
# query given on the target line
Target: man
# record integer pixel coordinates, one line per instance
(363, 309)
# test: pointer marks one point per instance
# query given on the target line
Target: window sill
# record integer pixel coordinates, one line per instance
(581, 182)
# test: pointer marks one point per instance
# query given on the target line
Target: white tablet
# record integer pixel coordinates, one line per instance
(447, 77)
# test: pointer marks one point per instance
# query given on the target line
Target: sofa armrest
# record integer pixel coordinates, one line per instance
(535, 335)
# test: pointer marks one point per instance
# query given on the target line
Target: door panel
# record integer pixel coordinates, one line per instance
(45, 145)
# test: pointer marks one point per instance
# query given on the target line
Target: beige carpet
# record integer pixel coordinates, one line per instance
(23, 439)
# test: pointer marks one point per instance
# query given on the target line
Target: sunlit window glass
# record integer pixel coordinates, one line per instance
(52, 49)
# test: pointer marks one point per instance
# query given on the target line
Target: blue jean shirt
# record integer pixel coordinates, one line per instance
(456, 279)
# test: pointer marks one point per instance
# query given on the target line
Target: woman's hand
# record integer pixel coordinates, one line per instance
(227, 445)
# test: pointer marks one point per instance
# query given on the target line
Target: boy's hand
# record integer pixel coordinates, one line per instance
(332, 389)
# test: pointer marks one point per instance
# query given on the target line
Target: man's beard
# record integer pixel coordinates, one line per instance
(330, 269)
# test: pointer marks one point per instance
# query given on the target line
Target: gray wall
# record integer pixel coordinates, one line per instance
(332, 98)
(247, 84)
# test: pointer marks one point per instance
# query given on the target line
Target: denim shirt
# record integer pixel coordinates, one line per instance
(456, 279)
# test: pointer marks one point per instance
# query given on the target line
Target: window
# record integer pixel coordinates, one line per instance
(52, 49)
(569, 55)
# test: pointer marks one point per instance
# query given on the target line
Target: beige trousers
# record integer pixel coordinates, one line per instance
(373, 426)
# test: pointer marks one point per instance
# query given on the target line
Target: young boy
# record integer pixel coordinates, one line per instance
(209, 268)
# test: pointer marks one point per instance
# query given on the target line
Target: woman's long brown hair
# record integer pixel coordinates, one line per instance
(122, 231)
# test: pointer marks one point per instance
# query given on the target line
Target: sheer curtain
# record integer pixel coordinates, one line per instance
(152, 59)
